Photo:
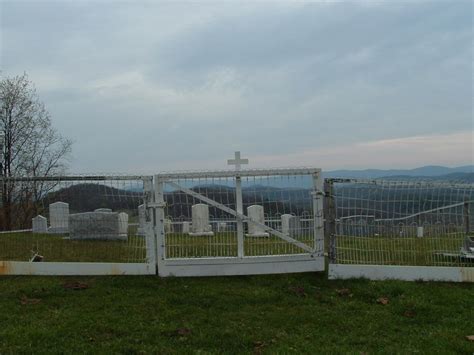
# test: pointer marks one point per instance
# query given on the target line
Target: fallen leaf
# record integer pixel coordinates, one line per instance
(344, 292)
(258, 347)
(470, 337)
(299, 291)
(383, 300)
(25, 300)
(409, 313)
(76, 285)
(183, 331)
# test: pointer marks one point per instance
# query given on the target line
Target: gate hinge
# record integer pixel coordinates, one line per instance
(318, 193)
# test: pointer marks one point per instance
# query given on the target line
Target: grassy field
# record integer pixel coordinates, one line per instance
(18, 246)
(357, 250)
(225, 244)
(401, 250)
(295, 313)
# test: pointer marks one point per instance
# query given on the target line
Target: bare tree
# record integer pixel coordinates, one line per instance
(29, 146)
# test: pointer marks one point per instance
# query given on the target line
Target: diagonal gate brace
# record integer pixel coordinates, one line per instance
(241, 216)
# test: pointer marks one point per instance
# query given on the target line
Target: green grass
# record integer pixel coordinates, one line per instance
(225, 244)
(295, 313)
(350, 250)
(18, 247)
(400, 250)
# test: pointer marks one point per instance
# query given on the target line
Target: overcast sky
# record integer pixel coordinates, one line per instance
(153, 86)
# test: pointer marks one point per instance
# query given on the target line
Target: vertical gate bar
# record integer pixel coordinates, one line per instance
(239, 208)
(150, 237)
(318, 219)
(466, 213)
(330, 217)
(159, 220)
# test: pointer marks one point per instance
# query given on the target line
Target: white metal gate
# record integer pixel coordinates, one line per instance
(238, 222)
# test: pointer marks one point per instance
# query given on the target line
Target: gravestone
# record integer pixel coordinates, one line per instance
(141, 220)
(290, 225)
(95, 226)
(200, 216)
(103, 210)
(39, 224)
(468, 247)
(419, 232)
(256, 213)
(123, 224)
(168, 225)
(221, 226)
(59, 218)
(186, 227)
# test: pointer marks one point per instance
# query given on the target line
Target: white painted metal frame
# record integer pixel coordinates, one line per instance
(90, 268)
(309, 260)
(405, 273)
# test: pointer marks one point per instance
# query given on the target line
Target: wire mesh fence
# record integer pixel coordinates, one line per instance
(73, 219)
(195, 229)
(384, 222)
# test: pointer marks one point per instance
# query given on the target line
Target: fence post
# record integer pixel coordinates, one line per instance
(466, 214)
(150, 223)
(159, 220)
(318, 213)
(240, 210)
(330, 219)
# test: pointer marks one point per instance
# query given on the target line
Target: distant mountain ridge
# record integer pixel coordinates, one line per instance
(424, 171)
(453, 177)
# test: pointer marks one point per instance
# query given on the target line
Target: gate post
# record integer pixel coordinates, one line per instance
(330, 218)
(159, 204)
(150, 237)
(318, 215)
(240, 211)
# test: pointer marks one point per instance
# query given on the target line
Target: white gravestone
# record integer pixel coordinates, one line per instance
(290, 225)
(95, 226)
(256, 213)
(419, 232)
(186, 227)
(200, 225)
(59, 218)
(467, 250)
(39, 224)
(221, 226)
(168, 225)
(123, 224)
(103, 210)
(141, 220)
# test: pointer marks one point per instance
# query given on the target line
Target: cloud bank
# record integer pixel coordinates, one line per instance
(152, 86)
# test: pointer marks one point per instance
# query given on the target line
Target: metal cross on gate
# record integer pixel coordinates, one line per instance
(237, 161)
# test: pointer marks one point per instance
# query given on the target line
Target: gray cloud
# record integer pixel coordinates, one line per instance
(143, 86)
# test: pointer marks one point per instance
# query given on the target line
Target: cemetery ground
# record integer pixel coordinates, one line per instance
(298, 313)
(360, 250)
